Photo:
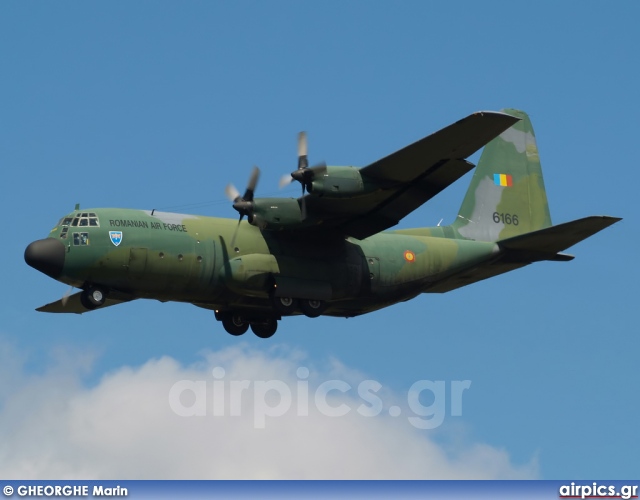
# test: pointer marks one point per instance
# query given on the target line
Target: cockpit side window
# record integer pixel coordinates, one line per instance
(80, 239)
(64, 222)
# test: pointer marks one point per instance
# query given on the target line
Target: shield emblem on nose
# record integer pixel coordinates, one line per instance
(115, 237)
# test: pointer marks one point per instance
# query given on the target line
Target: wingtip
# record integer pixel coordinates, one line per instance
(609, 218)
(500, 116)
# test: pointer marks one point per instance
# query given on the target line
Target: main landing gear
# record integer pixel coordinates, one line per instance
(264, 325)
(286, 306)
(236, 324)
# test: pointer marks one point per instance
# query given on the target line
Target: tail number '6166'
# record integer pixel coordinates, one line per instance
(505, 218)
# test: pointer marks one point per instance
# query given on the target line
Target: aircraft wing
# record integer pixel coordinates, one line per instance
(409, 177)
(72, 304)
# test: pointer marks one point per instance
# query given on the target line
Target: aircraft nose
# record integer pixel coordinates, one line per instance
(47, 256)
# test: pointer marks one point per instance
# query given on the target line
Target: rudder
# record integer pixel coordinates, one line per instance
(507, 196)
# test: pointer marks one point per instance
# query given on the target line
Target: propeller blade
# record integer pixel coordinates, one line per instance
(231, 192)
(319, 169)
(285, 180)
(253, 182)
(303, 207)
(235, 233)
(65, 297)
(243, 204)
(302, 151)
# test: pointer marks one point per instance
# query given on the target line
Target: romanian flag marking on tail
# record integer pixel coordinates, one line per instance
(505, 180)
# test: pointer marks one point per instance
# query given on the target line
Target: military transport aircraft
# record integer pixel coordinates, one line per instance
(324, 253)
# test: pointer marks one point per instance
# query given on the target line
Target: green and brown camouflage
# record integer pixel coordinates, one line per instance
(332, 261)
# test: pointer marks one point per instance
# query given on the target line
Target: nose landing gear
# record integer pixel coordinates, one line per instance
(93, 297)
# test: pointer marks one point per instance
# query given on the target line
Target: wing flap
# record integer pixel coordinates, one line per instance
(73, 305)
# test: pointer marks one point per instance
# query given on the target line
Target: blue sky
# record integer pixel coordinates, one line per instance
(161, 104)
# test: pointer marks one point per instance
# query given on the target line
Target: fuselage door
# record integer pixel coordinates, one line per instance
(204, 275)
(137, 263)
(373, 264)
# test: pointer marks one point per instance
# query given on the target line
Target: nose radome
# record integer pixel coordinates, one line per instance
(47, 256)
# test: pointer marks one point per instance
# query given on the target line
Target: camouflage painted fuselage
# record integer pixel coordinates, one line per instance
(324, 253)
(176, 257)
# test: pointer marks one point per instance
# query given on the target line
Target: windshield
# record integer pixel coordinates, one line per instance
(80, 219)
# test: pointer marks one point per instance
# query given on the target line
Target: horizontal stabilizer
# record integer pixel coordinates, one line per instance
(544, 244)
(522, 250)
(73, 305)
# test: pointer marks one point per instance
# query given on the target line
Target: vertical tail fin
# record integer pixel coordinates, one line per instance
(507, 195)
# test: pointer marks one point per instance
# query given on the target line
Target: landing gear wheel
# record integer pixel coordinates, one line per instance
(284, 305)
(312, 308)
(234, 324)
(93, 297)
(265, 330)
(85, 302)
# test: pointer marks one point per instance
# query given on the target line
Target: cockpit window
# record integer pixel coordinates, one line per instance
(84, 219)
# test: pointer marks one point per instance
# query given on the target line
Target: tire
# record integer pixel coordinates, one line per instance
(285, 306)
(265, 330)
(312, 308)
(84, 300)
(93, 297)
(234, 324)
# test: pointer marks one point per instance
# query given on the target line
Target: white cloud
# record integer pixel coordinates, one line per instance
(54, 427)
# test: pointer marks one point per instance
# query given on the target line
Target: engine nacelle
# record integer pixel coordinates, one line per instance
(275, 213)
(337, 182)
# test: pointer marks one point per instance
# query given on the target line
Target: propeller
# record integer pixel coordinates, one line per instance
(304, 175)
(243, 204)
(65, 297)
